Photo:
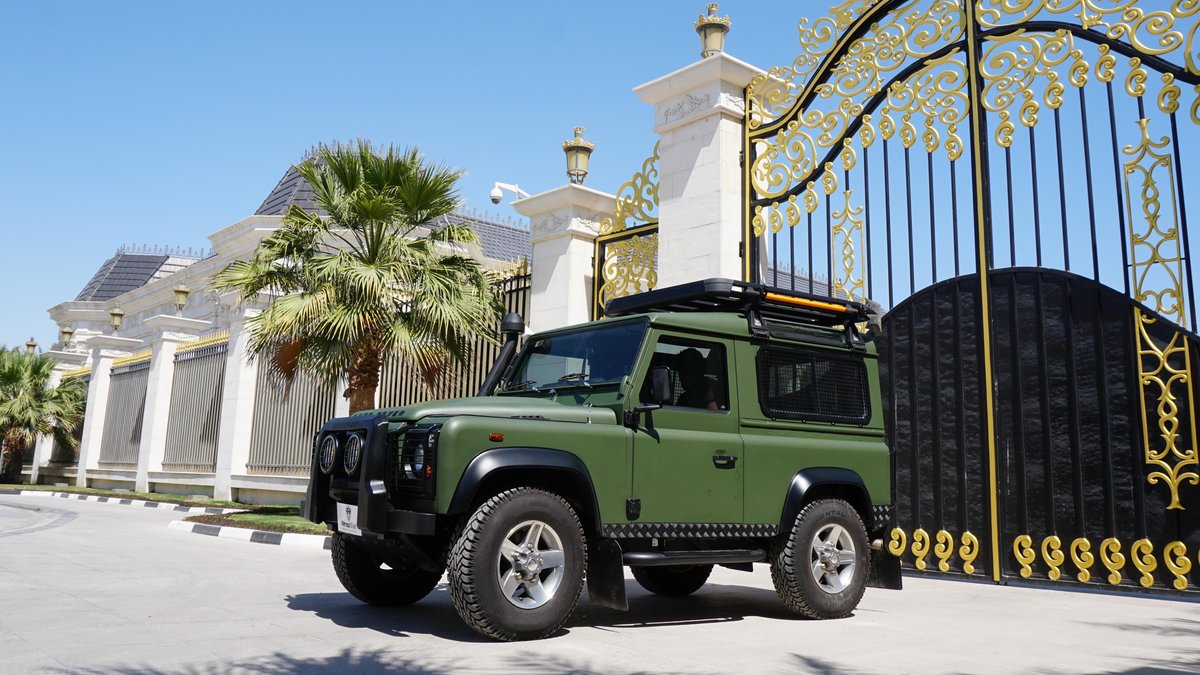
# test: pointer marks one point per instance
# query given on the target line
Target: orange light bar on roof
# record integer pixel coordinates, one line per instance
(805, 302)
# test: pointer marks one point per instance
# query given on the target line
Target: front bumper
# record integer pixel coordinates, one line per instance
(367, 489)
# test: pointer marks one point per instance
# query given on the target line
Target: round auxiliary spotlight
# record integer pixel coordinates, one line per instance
(353, 453)
(328, 453)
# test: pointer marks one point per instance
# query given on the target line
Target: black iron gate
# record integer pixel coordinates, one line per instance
(1042, 414)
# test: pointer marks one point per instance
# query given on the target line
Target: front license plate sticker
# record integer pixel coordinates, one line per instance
(348, 519)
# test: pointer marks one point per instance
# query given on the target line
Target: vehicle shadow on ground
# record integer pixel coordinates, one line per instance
(713, 603)
(435, 615)
(279, 663)
(350, 660)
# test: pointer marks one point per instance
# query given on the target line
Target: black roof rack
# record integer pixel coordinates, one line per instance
(727, 295)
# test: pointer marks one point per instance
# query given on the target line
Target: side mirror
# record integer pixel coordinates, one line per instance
(660, 385)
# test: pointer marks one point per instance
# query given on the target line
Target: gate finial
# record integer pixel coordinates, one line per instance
(578, 152)
(712, 30)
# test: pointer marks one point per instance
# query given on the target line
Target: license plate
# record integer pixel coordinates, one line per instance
(348, 519)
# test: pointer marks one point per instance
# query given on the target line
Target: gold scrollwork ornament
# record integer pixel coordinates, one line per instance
(637, 198)
(954, 143)
(1023, 551)
(920, 547)
(1083, 559)
(943, 550)
(1176, 559)
(1195, 111)
(1168, 97)
(1112, 559)
(897, 542)
(757, 223)
(1004, 130)
(1054, 557)
(630, 266)
(969, 551)
(1142, 555)
(1135, 81)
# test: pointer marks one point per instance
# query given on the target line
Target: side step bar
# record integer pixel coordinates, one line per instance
(648, 559)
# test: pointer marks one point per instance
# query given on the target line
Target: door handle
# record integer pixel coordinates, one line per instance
(724, 461)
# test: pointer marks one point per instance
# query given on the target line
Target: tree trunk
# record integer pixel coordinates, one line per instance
(10, 462)
(363, 379)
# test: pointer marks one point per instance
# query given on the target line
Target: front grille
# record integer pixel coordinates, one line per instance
(409, 452)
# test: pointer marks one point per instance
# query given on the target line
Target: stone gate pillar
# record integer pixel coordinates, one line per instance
(104, 349)
(169, 332)
(237, 406)
(564, 223)
(698, 114)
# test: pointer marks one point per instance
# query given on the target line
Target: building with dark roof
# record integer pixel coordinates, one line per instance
(130, 269)
(501, 240)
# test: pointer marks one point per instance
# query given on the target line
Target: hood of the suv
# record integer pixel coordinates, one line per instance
(500, 406)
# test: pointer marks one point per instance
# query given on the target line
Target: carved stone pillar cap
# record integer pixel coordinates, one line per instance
(176, 323)
(68, 359)
(565, 197)
(719, 67)
(112, 342)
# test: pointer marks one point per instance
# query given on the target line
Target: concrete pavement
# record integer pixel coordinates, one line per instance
(89, 588)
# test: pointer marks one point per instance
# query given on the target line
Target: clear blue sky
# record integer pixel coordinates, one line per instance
(162, 122)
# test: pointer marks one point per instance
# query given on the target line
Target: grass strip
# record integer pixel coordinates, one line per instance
(286, 519)
(182, 500)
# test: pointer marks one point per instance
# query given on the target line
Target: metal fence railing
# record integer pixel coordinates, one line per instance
(194, 422)
(64, 456)
(401, 385)
(122, 436)
(285, 420)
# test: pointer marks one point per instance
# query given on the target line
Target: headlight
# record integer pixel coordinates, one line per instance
(410, 462)
(353, 453)
(329, 448)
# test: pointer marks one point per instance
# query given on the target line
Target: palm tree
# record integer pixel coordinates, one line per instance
(29, 408)
(366, 277)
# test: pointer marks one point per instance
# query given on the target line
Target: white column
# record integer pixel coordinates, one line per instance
(44, 448)
(169, 332)
(104, 349)
(698, 115)
(237, 406)
(564, 223)
(341, 404)
(44, 445)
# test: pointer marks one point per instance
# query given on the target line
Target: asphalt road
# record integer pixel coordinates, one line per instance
(100, 588)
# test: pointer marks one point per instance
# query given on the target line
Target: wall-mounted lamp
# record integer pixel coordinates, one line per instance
(117, 315)
(65, 334)
(181, 296)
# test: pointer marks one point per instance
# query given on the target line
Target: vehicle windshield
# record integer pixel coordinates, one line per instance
(599, 354)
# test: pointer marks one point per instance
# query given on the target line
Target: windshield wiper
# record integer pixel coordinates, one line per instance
(527, 384)
(575, 377)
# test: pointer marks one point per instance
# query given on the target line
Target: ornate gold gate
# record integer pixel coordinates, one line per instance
(626, 256)
(1006, 180)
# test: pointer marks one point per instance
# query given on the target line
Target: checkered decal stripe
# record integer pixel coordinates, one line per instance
(688, 530)
(881, 515)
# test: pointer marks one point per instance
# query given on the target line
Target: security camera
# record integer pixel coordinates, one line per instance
(496, 195)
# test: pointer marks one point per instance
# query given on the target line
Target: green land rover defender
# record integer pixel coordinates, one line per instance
(712, 423)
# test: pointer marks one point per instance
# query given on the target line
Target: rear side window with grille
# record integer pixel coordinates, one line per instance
(811, 386)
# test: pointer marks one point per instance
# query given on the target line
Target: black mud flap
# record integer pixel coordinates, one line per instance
(884, 571)
(606, 575)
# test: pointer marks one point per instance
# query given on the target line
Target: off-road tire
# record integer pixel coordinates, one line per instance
(473, 566)
(674, 581)
(793, 556)
(364, 576)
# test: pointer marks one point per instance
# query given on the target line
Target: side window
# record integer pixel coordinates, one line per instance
(811, 386)
(698, 373)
